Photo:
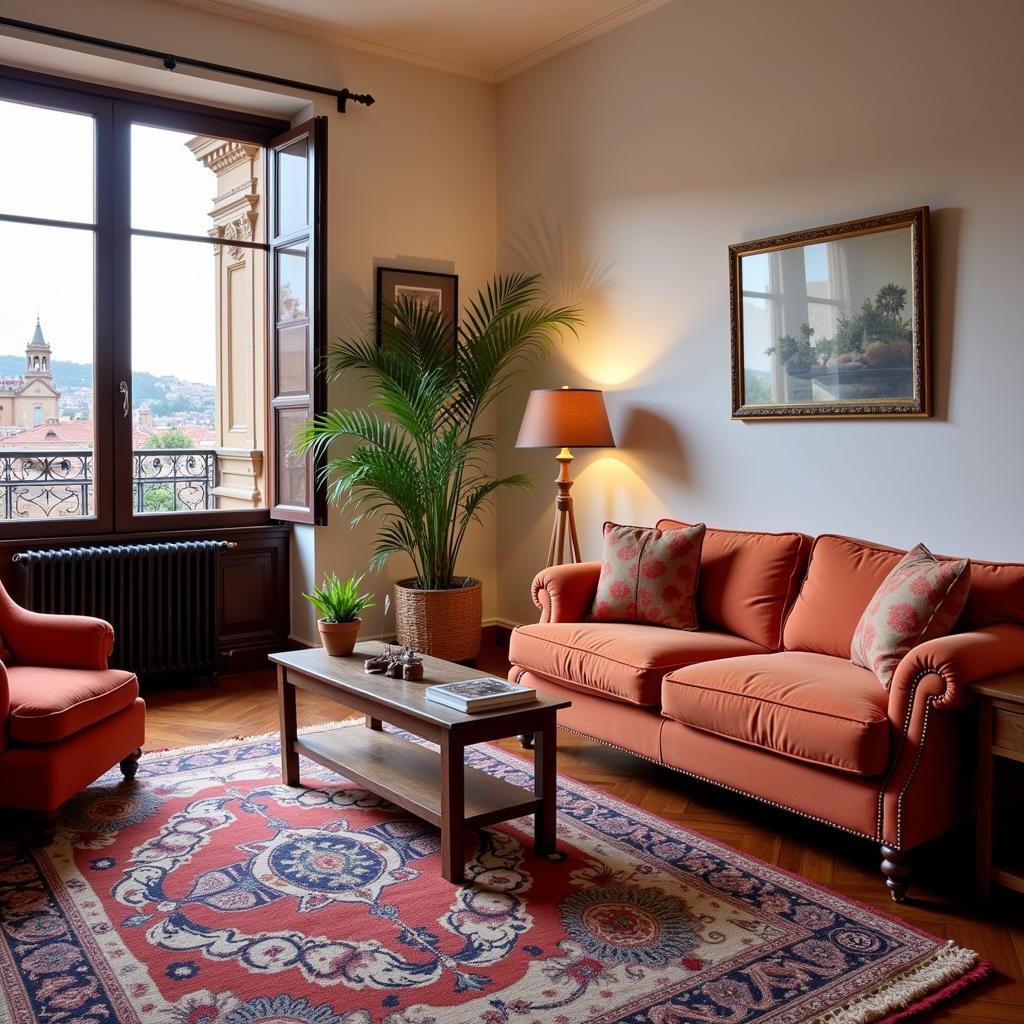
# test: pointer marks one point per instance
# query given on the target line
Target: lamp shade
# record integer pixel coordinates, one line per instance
(565, 418)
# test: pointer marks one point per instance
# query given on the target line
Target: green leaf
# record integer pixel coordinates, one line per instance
(414, 461)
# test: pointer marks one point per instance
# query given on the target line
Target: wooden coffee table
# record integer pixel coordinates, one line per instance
(437, 787)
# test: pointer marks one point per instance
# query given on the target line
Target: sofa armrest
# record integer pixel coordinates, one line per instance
(944, 669)
(565, 593)
(55, 641)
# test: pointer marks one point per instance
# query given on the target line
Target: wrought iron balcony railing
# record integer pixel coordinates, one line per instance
(49, 484)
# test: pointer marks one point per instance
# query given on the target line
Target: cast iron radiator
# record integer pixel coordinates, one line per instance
(162, 600)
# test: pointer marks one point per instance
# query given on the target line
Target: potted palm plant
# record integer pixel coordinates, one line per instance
(420, 461)
(339, 605)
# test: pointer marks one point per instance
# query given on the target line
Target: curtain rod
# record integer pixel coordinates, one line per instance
(171, 61)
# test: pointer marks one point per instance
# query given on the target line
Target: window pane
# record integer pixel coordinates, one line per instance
(292, 359)
(291, 467)
(291, 284)
(195, 185)
(293, 188)
(48, 164)
(197, 381)
(47, 339)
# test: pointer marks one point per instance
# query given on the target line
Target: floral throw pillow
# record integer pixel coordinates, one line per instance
(919, 600)
(649, 575)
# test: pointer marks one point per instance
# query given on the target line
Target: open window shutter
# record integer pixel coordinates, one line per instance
(297, 309)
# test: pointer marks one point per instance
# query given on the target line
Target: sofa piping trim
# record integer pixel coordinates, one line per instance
(899, 750)
(722, 785)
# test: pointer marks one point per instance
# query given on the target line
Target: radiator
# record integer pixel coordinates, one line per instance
(162, 600)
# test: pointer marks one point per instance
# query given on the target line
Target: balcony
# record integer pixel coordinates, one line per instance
(53, 484)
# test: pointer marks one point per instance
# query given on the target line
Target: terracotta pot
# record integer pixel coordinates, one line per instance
(339, 638)
(441, 623)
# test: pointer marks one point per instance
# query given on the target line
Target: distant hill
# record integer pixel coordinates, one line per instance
(146, 387)
(68, 375)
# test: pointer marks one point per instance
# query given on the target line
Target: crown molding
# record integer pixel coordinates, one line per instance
(321, 31)
(601, 27)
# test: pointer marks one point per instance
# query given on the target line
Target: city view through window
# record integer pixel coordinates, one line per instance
(196, 395)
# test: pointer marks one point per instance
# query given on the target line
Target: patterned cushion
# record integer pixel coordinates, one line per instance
(648, 575)
(919, 600)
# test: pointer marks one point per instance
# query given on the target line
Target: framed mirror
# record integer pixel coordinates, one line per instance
(832, 321)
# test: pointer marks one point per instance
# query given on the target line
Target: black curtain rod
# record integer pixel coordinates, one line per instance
(171, 61)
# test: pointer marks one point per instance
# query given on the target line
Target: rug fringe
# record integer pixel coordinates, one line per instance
(237, 741)
(948, 971)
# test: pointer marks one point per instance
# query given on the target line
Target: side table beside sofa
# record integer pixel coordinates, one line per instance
(1000, 744)
(763, 698)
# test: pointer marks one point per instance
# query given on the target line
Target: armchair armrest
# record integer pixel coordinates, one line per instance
(565, 593)
(944, 669)
(55, 641)
(5, 707)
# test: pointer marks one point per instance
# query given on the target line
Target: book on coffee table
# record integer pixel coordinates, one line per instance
(483, 694)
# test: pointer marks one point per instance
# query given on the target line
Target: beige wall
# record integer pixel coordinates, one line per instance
(412, 179)
(626, 168)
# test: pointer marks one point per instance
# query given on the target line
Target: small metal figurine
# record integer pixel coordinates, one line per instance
(412, 665)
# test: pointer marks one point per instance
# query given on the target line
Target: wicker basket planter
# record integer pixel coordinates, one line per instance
(441, 623)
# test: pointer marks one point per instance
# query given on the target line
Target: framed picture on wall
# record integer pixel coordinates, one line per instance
(436, 292)
(832, 321)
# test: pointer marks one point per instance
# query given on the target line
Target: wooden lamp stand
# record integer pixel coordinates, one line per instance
(565, 418)
(565, 520)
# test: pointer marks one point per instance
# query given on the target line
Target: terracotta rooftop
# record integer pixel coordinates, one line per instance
(79, 434)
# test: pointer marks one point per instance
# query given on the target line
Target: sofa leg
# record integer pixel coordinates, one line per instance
(130, 765)
(42, 827)
(526, 740)
(896, 868)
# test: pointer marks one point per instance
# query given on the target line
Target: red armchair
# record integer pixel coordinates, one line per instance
(66, 718)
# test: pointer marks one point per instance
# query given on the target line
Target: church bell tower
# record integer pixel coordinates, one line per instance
(37, 356)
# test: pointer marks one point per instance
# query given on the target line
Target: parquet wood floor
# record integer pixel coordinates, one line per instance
(941, 901)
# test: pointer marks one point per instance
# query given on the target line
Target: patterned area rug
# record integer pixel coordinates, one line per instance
(208, 893)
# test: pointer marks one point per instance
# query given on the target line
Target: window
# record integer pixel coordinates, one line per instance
(188, 241)
(791, 298)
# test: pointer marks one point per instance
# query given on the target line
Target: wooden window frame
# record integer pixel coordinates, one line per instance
(115, 110)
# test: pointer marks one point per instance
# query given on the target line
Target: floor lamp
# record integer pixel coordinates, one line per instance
(565, 418)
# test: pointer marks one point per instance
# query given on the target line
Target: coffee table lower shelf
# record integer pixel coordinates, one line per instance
(409, 775)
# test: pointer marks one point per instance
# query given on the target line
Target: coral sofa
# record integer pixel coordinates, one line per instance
(763, 698)
(65, 718)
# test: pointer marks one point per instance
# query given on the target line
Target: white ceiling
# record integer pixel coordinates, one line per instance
(487, 39)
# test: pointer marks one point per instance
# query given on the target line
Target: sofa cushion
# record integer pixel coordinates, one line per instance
(842, 577)
(810, 707)
(918, 601)
(996, 597)
(621, 661)
(748, 580)
(648, 576)
(49, 704)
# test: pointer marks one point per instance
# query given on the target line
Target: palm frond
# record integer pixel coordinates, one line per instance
(416, 464)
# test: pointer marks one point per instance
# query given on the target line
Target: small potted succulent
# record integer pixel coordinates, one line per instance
(339, 605)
